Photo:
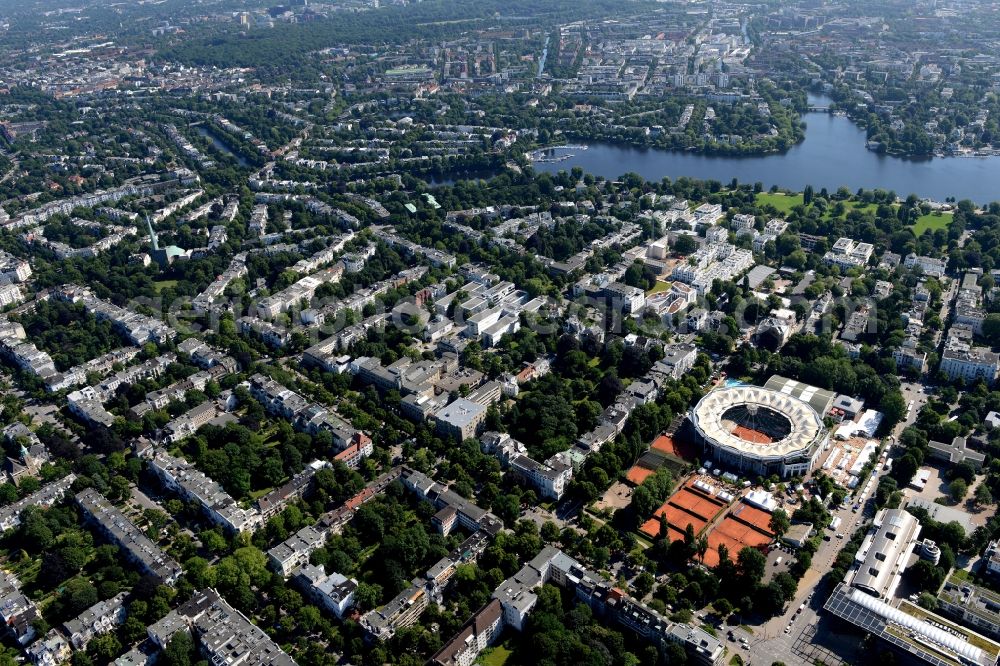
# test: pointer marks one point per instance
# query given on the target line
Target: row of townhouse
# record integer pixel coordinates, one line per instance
(237, 269)
(466, 514)
(407, 606)
(434, 257)
(190, 483)
(14, 268)
(101, 366)
(294, 551)
(138, 328)
(968, 304)
(910, 355)
(17, 612)
(205, 356)
(116, 527)
(57, 646)
(549, 478)
(259, 218)
(294, 489)
(360, 298)
(677, 360)
(48, 495)
(929, 266)
(25, 355)
(963, 359)
(224, 636)
(716, 260)
(376, 207)
(112, 236)
(306, 416)
(517, 597)
(333, 247)
(188, 423)
(88, 402)
(300, 292)
(847, 253)
(41, 214)
(328, 354)
(274, 335)
(426, 385)
(201, 211)
(177, 391)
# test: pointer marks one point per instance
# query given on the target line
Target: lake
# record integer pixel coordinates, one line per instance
(221, 145)
(832, 154)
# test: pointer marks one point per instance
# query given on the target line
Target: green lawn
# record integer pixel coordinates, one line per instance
(495, 656)
(786, 202)
(257, 494)
(407, 70)
(932, 222)
(783, 202)
(642, 541)
(660, 286)
(857, 205)
(160, 285)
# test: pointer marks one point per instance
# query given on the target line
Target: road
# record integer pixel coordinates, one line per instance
(790, 637)
(15, 164)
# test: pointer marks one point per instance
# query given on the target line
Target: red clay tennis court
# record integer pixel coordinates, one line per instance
(637, 475)
(753, 516)
(751, 435)
(696, 503)
(715, 539)
(744, 526)
(666, 444)
(680, 519)
(651, 528)
(744, 534)
(686, 506)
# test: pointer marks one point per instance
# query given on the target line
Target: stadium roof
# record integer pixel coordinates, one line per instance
(819, 399)
(806, 425)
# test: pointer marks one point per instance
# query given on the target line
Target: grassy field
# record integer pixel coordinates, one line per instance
(857, 205)
(642, 541)
(660, 286)
(257, 494)
(932, 222)
(783, 202)
(399, 71)
(160, 285)
(495, 656)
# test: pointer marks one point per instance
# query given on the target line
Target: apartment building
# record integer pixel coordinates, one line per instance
(139, 549)
(224, 635)
(190, 483)
(333, 591)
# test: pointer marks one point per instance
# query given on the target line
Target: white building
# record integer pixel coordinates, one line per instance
(970, 364)
(847, 253)
(927, 265)
(334, 591)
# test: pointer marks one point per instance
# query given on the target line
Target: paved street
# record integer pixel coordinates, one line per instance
(801, 643)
